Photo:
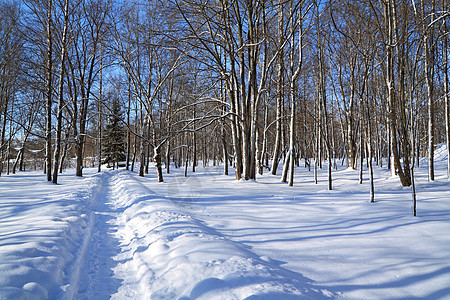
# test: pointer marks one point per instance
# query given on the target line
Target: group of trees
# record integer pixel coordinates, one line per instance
(252, 83)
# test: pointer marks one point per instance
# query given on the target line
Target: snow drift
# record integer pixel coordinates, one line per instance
(170, 254)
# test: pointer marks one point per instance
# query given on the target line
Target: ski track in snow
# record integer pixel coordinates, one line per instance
(42, 229)
(97, 279)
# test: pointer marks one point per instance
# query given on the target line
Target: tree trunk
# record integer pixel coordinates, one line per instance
(143, 130)
(285, 168)
(446, 94)
(61, 105)
(390, 28)
(361, 150)
(99, 116)
(64, 155)
(49, 99)
(280, 96)
(194, 151)
(428, 45)
(128, 159)
(264, 142)
(168, 157)
(232, 92)
(225, 151)
(157, 160)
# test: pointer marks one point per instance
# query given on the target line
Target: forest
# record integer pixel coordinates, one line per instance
(252, 85)
(224, 149)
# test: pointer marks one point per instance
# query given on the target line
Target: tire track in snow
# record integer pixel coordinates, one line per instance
(97, 279)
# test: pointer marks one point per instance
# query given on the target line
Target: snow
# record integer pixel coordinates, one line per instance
(117, 235)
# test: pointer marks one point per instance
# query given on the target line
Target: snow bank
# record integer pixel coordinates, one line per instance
(42, 230)
(440, 154)
(169, 254)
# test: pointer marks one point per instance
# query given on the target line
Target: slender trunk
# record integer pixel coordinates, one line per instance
(429, 73)
(18, 158)
(290, 159)
(224, 149)
(295, 72)
(280, 96)
(225, 158)
(412, 140)
(135, 149)
(141, 158)
(8, 150)
(143, 129)
(446, 96)
(147, 156)
(430, 110)
(157, 161)
(264, 142)
(59, 119)
(194, 149)
(64, 155)
(322, 105)
(396, 166)
(49, 100)
(253, 97)
(258, 152)
(128, 126)
(277, 146)
(99, 116)
(224, 145)
(285, 168)
(234, 130)
(316, 156)
(370, 153)
(372, 185)
(2, 140)
(361, 151)
(168, 158)
(186, 159)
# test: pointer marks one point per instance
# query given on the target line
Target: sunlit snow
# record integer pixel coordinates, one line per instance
(117, 235)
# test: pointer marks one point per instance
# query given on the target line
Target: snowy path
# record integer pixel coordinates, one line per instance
(97, 279)
(140, 244)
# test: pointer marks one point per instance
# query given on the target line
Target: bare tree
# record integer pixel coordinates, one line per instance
(61, 102)
(429, 66)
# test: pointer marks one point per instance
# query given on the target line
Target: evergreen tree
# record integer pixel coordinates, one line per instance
(114, 139)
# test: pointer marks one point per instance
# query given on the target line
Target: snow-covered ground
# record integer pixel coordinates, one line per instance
(117, 235)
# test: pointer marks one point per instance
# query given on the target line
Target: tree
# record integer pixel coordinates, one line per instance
(429, 69)
(114, 135)
(61, 102)
(49, 91)
(445, 55)
(11, 53)
(84, 63)
(295, 68)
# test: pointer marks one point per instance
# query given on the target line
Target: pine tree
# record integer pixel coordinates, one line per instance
(114, 139)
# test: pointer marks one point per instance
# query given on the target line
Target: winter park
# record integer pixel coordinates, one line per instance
(228, 149)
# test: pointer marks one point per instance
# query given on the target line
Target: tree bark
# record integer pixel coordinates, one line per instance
(61, 105)
(280, 96)
(157, 160)
(428, 45)
(49, 98)
(446, 91)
